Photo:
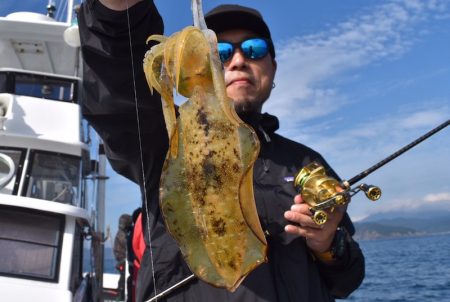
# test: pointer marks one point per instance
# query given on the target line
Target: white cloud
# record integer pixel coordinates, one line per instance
(399, 204)
(304, 63)
(433, 202)
(438, 197)
(376, 138)
(421, 119)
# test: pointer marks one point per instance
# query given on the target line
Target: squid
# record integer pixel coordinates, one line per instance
(206, 186)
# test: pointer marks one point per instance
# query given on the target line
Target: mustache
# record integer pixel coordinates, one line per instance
(230, 78)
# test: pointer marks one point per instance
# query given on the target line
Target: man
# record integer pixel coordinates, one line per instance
(306, 262)
(120, 248)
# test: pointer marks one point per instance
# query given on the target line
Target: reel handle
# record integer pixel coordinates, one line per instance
(372, 192)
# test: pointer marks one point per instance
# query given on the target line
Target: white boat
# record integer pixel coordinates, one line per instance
(51, 192)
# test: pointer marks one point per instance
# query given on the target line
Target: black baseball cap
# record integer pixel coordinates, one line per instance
(233, 16)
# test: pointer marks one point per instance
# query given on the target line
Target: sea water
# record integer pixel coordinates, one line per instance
(397, 269)
(406, 269)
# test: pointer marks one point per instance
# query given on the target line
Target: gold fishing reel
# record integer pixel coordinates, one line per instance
(322, 192)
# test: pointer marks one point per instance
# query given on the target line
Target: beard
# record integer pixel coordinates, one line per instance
(246, 107)
(249, 103)
(248, 111)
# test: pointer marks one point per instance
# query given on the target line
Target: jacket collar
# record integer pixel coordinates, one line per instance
(269, 123)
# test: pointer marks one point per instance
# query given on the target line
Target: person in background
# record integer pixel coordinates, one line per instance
(121, 246)
(136, 246)
(305, 262)
(138, 243)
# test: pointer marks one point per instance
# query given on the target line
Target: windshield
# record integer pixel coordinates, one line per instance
(55, 177)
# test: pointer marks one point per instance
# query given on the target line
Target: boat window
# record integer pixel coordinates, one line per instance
(55, 177)
(38, 85)
(44, 87)
(30, 244)
(17, 156)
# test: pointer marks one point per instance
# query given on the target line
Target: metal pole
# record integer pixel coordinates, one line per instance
(69, 12)
(100, 223)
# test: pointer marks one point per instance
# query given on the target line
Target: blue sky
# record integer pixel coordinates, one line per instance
(356, 80)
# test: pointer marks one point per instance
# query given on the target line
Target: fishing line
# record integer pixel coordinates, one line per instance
(140, 150)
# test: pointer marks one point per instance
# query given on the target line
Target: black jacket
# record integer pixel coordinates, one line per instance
(109, 105)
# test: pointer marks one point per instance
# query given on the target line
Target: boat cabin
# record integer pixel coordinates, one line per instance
(46, 181)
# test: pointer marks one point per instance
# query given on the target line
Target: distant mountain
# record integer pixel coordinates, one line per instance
(405, 223)
(419, 212)
(374, 230)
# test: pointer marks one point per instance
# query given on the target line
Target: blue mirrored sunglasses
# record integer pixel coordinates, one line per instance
(254, 48)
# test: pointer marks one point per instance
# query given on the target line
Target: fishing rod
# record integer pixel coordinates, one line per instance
(322, 192)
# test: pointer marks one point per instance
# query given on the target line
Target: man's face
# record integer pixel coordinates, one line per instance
(248, 82)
